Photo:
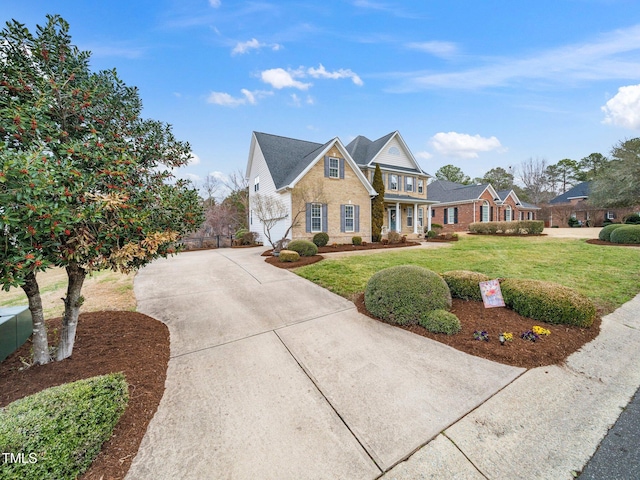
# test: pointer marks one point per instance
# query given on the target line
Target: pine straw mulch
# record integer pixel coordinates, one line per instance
(548, 350)
(106, 342)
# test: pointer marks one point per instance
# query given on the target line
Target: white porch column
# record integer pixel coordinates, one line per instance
(398, 217)
(429, 218)
(415, 218)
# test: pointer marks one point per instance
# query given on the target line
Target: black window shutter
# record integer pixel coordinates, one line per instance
(481, 213)
(455, 215)
(445, 215)
(342, 218)
(491, 214)
(356, 220)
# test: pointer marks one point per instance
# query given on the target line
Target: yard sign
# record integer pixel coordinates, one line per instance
(491, 294)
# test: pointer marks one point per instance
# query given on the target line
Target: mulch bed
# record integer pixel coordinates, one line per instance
(106, 342)
(347, 247)
(275, 261)
(548, 350)
(595, 241)
(508, 234)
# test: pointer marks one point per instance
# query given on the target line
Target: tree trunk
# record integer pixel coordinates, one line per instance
(72, 303)
(40, 341)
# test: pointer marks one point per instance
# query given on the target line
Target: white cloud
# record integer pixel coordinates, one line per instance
(279, 78)
(424, 155)
(462, 145)
(439, 49)
(226, 100)
(195, 159)
(214, 3)
(624, 108)
(253, 44)
(322, 72)
(611, 56)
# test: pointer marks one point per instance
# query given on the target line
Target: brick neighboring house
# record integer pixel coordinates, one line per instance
(460, 205)
(278, 167)
(573, 203)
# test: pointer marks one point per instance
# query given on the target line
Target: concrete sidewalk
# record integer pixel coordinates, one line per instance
(272, 376)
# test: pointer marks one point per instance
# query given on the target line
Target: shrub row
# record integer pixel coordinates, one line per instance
(60, 430)
(305, 248)
(626, 234)
(407, 295)
(605, 233)
(522, 227)
(465, 284)
(548, 302)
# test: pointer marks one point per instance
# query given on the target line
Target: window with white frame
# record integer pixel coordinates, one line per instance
(349, 217)
(421, 217)
(334, 167)
(420, 186)
(507, 214)
(316, 217)
(451, 216)
(610, 215)
(409, 216)
(256, 184)
(529, 215)
(409, 186)
(485, 211)
(393, 179)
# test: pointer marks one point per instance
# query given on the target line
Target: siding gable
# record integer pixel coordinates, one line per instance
(394, 153)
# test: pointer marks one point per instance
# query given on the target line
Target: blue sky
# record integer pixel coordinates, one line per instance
(475, 84)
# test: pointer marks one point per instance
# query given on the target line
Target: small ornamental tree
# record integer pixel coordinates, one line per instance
(377, 206)
(85, 181)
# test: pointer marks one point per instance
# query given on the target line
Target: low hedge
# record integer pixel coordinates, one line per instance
(626, 234)
(440, 321)
(320, 239)
(464, 284)
(59, 431)
(605, 233)
(548, 302)
(405, 293)
(356, 240)
(522, 227)
(305, 248)
(288, 256)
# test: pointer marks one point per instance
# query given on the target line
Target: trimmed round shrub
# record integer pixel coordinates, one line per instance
(305, 248)
(356, 240)
(289, 256)
(321, 239)
(440, 321)
(549, 302)
(626, 234)
(632, 219)
(464, 284)
(405, 293)
(605, 233)
(394, 237)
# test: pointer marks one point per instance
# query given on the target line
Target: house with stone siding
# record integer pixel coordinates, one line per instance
(327, 187)
(460, 205)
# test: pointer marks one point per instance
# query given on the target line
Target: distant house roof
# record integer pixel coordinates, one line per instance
(286, 157)
(450, 192)
(580, 191)
(503, 194)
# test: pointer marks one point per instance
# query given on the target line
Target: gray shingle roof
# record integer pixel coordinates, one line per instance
(286, 157)
(362, 150)
(395, 197)
(580, 190)
(449, 192)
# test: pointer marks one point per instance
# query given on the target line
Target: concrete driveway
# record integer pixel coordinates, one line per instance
(271, 376)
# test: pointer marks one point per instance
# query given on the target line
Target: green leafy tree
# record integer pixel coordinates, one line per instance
(452, 173)
(377, 206)
(590, 166)
(499, 178)
(618, 183)
(86, 182)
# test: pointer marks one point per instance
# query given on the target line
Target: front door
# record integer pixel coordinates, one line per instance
(392, 219)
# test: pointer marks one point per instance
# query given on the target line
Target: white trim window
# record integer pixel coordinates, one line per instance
(393, 180)
(610, 215)
(486, 210)
(420, 217)
(334, 167)
(316, 217)
(451, 216)
(409, 216)
(349, 218)
(409, 184)
(420, 186)
(256, 184)
(508, 214)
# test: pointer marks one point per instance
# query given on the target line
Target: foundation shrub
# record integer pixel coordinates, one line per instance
(464, 284)
(440, 321)
(289, 256)
(626, 234)
(605, 233)
(321, 239)
(522, 227)
(61, 429)
(632, 219)
(394, 237)
(356, 240)
(406, 293)
(305, 248)
(549, 302)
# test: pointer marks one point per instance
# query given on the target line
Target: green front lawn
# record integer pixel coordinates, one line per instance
(610, 276)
